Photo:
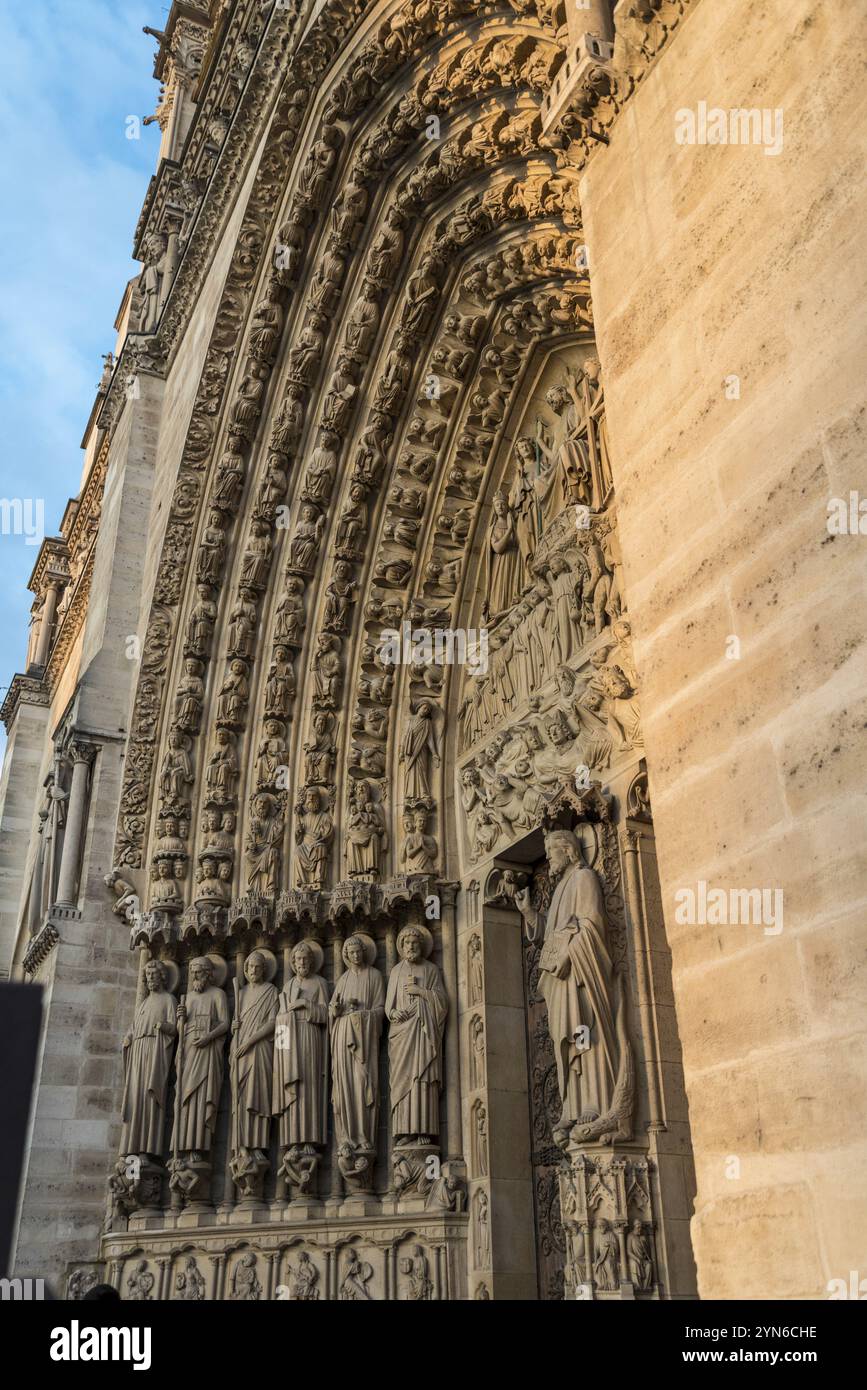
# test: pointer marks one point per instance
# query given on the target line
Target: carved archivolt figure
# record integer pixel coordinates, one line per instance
(326, 670)
(204, 1017)
(233, 697)
(353, 521)
(356, 1013)
(222, 769)
(586, 1009)
(265, 844)
(147, 1056)
(165, 893)
(338, 597)
(319, 478)
(271, 755)
(201, 622)
(305, 356)
(361, 328)
(416, 1006)
(281, 687)
(267, 326)
(289, 623)
(242, 627)
(366, 833)
(300, 1090)
(387, 249)
(316, 173)
(176, 773)
(420, 850)
(252, 1054)
(420, 749)
(314, 831)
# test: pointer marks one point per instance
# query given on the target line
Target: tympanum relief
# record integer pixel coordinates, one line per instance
(559, 696)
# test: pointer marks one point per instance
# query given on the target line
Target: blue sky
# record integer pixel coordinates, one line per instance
(71, 72)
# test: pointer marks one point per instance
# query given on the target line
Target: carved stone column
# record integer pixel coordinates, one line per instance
(452, 1070)
(271, 1258)
(82, 756)
(46, 621)
(219, 1264)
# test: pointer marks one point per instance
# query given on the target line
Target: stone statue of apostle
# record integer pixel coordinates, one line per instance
(253, 1049)
(300, 1095)
(204, 1014)
(416, 1007)
(147, 1055)
(356, 1012)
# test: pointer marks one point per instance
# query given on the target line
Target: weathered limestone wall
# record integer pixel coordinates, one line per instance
(707, 262)
(19, 787)
(89, 978)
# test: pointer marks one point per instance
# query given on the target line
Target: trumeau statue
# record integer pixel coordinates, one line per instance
(416, 1008)
(252, 1053)
(585, 1002)
(204, 1017)
(356, 1012)
(147, 1054)
(300, 1088)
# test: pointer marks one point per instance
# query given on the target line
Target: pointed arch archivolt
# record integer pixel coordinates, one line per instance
(389, 262)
